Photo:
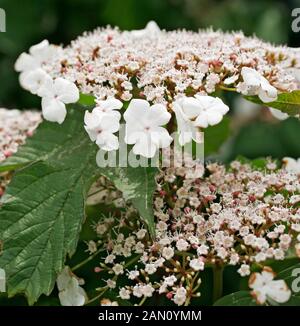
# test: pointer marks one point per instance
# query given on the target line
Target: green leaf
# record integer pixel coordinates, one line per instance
(43, 209)
(215, 136)
(138, 185)
(240, 298)
(40, 222)
(286, 102)
(86, 100)
(52, 142)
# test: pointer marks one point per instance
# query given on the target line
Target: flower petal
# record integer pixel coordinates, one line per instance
(145, 147)
(158, 115)
(278, 114)
(191, 107)
(25, 62)
(267, 93)
(213, 118)
(278, 291)
(136, 110)
(110, 122)
(74, 295)
(39, 50)
(33, 80)
(109, 105)
(107, 141)
(161, 137)
(67, 91)
(53, 110)
(201, 121)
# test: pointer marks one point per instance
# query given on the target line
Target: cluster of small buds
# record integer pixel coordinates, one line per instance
(162, 66)
(240, 216)
(15, 127)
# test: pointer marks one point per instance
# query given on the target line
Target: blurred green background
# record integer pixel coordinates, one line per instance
(60, 21)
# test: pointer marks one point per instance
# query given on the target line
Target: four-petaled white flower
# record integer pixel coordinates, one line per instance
(197, 112)
(2, 280)
(70, 293)
(34, 80)
(255, 84)
(144, 127)
(38, 54)
(103, 122)
(29, 65)
(55, 94)
(265, 288)
(291, 164)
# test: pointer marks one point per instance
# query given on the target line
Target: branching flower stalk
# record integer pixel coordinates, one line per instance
(243, 223)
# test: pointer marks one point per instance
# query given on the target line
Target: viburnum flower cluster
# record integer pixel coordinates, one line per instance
(241, 216)
(15, 127)
(55, 93)
(155, 74)
(70, 291)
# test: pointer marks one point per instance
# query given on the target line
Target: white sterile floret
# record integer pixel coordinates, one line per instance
(144, 127)
(38, 54)
(151, 31)
(30, 66)
(109, 106)
(255, 84)
(34, 80)
(55, 94)
(103, 122)
(265, 288)
(2, 280)
(291, 164)
(279, 115)
(196, 112)
(70, 293)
